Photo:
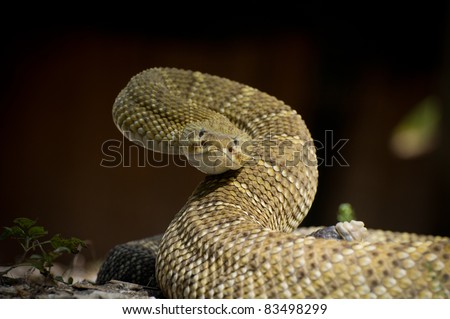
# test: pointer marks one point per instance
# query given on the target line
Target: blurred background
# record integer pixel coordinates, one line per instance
(377, 76)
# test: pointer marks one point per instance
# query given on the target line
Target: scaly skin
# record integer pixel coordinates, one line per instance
(233, 238)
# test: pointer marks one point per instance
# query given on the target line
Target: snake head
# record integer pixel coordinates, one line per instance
(213, 151)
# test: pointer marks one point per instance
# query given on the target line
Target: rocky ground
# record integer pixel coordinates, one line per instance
(23, 283)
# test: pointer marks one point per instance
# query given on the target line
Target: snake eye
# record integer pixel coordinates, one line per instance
(235, 141)
(201, 133)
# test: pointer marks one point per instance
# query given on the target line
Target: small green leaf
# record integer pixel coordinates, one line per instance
(24, 223)
(14, 232)
(37, 231)
(61, 250)
(59, 278)
(36, 256)
(57, 241)
(76, 244)
(37, 263)
(345, 213)
(72, 244)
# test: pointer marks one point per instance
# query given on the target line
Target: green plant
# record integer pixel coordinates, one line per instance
(345, 213)
(37, 253)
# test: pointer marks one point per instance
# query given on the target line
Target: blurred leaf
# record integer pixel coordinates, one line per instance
(12, 232)
(59, 278)
(73, 244)
(37, 231)
(345, 213)
(62, 249)
(416, 133)
(24, 223)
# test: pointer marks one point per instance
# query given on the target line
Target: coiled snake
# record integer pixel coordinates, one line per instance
(234, 236)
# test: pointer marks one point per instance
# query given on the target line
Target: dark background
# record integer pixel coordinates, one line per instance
(355, 70)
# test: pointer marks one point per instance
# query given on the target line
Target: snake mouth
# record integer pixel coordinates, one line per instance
(213, 159)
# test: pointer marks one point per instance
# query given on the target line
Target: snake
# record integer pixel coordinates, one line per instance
(236, 235)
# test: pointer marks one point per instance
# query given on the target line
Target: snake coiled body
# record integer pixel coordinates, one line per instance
(234, 236)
